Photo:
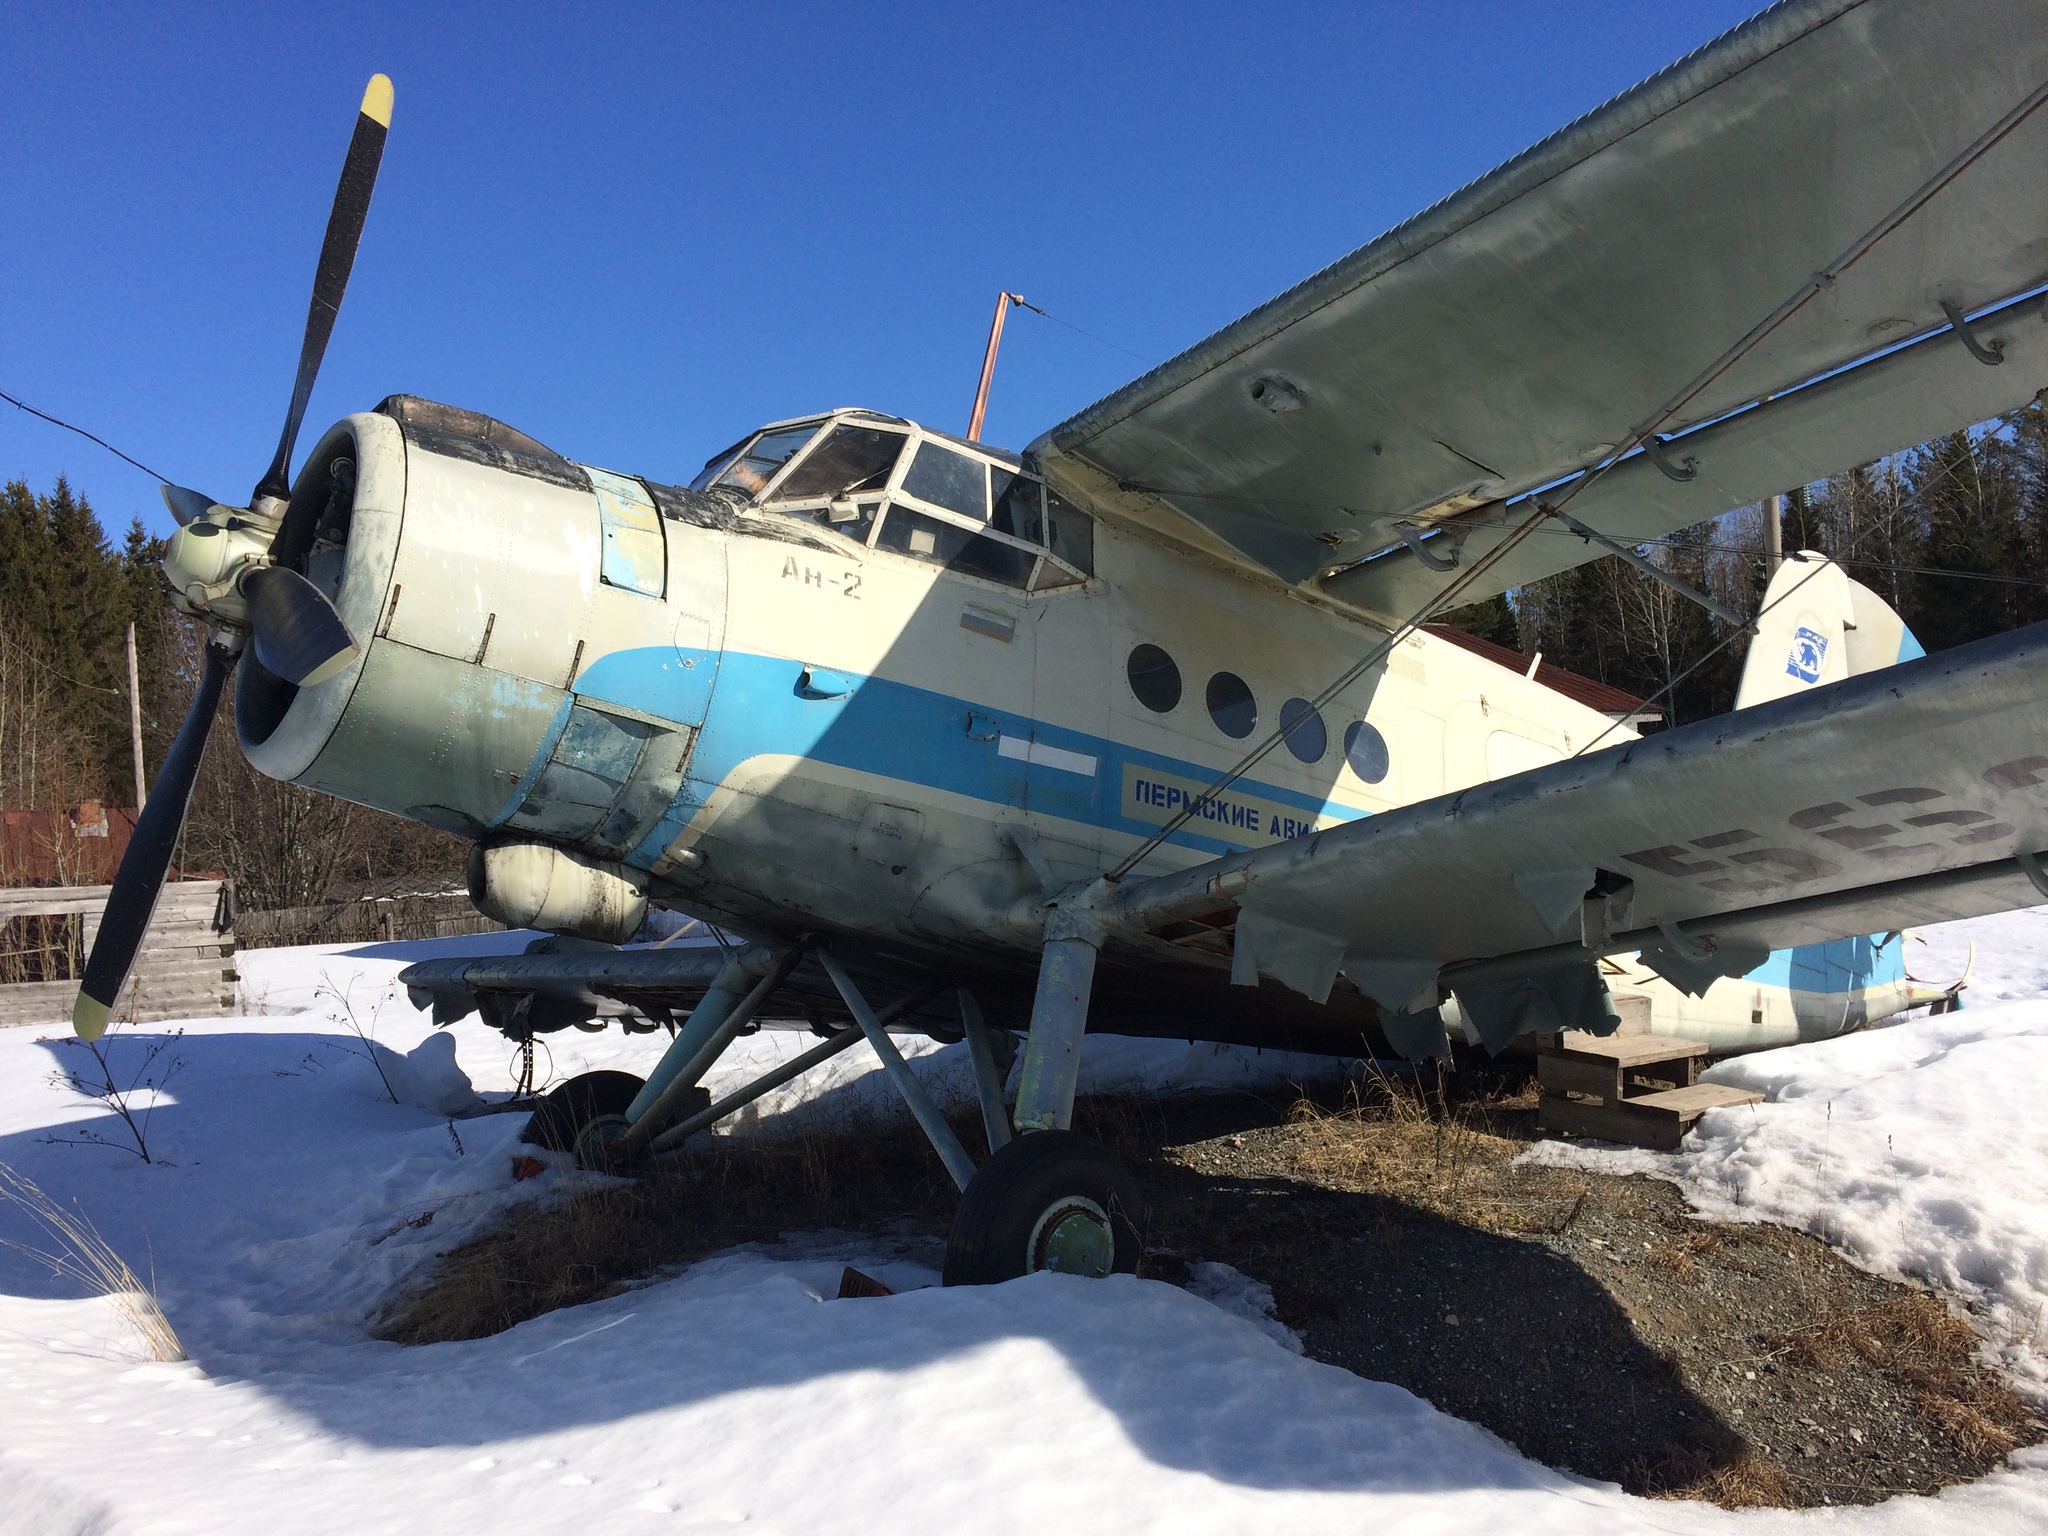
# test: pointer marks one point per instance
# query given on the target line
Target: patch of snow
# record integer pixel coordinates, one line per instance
(427, 1076)
(1242, 1296)
(292, 1196)
(2010, 956)
(1918, 1150)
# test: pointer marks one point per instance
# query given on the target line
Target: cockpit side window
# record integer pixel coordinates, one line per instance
(966, 550)
(1018, 509)
(950, 480)
(752, 470)
(1072, 534)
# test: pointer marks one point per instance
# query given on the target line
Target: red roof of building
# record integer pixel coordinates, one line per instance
(1616, 703)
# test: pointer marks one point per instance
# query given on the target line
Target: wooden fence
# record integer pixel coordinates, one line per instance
(365, 920)
(186, 968)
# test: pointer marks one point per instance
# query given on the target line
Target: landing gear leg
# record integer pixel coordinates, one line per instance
(1049, 1199)
(991, 1056)
(731, 984)
(615, 1142)
(937, 1132)
(1059, 1018)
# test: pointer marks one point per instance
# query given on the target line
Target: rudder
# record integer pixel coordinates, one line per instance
(1819, 626)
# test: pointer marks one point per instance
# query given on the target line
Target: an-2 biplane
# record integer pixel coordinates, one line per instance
(1138, 730)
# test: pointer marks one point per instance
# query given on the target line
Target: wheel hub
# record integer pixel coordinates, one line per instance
(1074, 1237)
(595, 1142)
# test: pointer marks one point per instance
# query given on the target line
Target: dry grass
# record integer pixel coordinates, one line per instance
(1920, 1342)
(83, 1255)
(1401, 1137)
(1748, 1482)
(1681, 1256)
(596, 1244)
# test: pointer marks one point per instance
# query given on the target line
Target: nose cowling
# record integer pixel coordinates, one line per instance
(468, 569)
(340, 532)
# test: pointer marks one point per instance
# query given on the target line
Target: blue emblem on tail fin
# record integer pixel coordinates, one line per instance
(1809, 655)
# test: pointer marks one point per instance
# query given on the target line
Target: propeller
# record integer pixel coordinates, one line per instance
(295, 629)
(298, 634)
(148, 859)
(330, 278)
(186, 505)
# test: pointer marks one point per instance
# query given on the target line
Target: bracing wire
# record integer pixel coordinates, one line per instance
(1671, 688)
(1820, 282)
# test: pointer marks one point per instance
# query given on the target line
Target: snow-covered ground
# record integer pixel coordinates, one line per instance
(291, 1194)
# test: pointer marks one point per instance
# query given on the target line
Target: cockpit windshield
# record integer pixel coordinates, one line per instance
(888, 484)
(851, 460)
(755, 467)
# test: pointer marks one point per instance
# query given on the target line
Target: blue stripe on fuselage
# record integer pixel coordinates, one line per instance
(1835, 968)
(891, 730)
(749, 706)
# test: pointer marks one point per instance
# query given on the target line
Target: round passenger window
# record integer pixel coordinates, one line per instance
(1307, 737)
(1232, 706)
(1154, 678)
(1365, 749)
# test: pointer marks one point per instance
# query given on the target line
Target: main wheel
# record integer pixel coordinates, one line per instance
(1048, 1200)
(597, 1144)
(562, 1114)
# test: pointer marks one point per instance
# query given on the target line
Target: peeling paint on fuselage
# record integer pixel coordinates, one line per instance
(955, 704)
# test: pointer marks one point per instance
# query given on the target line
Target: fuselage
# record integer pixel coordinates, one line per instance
(887, 709)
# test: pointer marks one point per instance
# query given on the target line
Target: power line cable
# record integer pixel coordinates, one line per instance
(68, 427)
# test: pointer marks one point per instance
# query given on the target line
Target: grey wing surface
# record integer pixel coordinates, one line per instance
(1519, 331)
(1911, 794)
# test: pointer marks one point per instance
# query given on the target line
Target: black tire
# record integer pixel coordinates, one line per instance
(1042, 1185)
(563, 1113)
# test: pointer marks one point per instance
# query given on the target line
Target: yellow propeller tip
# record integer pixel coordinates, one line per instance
(89, 1018)
(377, 100)
(333, 666)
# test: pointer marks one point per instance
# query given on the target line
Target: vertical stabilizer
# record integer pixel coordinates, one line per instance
(1819, 627)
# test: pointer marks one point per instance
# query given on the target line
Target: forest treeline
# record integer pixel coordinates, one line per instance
(67, 597)
(1954, 534)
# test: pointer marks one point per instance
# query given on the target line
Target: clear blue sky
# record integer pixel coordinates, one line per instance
(637, 231)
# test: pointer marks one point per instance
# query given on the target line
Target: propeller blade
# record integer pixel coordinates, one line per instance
(298, 634)
(185, 505)
(148, 858)
(330, 280)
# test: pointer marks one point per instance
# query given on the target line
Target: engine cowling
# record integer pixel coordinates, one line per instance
(484, 577)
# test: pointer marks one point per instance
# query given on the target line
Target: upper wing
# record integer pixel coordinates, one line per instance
(1916, 792)
(1522, 328)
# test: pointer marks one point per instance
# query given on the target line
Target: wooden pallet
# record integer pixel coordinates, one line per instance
(1643, 1090)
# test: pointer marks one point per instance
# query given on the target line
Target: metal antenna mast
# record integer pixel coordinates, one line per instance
(988, 360)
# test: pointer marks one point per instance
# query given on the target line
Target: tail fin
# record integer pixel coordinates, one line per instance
(1829, 628)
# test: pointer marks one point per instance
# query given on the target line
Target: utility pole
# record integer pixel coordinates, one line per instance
(135, 718)
(988, 361)
(1774, 536)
